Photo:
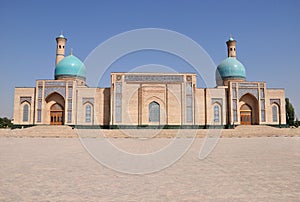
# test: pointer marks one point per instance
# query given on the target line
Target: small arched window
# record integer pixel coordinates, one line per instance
(216, 114)
(154, 112)
(88, 113)
(274, 113)
(25, 113)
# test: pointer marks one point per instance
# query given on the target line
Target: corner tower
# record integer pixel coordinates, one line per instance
(60, 48)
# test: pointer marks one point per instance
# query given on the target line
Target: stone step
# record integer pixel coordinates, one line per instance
(45, 131)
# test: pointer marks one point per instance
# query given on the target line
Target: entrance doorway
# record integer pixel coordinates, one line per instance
(56, 114)
(246, 115)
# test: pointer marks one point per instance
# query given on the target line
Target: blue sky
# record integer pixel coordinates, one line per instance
(267, 33)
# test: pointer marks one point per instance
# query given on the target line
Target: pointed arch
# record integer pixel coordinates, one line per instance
(249, 111)
(55, 109)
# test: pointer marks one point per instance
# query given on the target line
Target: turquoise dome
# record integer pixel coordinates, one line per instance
(231, 68)
(70, 66)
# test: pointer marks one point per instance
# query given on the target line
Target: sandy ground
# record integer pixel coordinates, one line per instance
(238, 169)
(66, 131)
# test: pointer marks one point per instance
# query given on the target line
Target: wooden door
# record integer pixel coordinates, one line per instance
(246, 119)
(246, 115)
(56, 115)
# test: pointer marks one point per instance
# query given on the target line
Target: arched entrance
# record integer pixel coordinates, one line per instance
(56, 114)
(55, 109)
(249, 113)
(246, 115)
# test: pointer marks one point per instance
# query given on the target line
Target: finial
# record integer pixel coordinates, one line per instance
(71, 51)
(230, 38)
(61, 34)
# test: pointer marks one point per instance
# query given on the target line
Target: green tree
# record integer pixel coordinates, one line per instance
(290, 113)
(5, 123)
(297, 123)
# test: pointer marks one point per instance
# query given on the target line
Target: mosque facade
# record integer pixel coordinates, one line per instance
(164, 100)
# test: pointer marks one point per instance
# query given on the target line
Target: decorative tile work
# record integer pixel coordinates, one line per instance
(252, 91)
(218, 100)
(69, 104)
(234, 107)
(263, 116)
(188, 89)
(235, 119)
(277, 101)
(262, 93)
(39, 115)
(188, 78)
(40, 92)
(262, 104)
(119, 77)
(27, 99)
(87, 99)
(252, 85)
(39, 104)
(154, 78)
(60, 90)
(55, 83)
(234, 103)
(118, 104)
(69, 116)
(189, 102)
(70, 92)
(234, 93)
(70, 84)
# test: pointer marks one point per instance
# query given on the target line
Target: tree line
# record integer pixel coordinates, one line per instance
(5, 123)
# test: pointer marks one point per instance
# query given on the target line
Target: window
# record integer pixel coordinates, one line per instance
(88, 112)
(154, 112)
(216, 114)
(274, 113)
(59, 46)
(25, 113)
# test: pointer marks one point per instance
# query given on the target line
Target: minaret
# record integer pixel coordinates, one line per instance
(231, 45)
(60, 48)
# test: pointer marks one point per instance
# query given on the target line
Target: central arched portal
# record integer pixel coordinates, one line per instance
(249, 113)
(56, 114)
(55, 109)
(246, 115)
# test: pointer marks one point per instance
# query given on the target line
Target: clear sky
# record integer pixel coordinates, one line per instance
(268, 35)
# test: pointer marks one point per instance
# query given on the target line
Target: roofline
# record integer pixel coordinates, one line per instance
(153, 73)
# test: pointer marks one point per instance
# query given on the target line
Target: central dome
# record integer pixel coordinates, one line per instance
(70, 66)
(231, 68)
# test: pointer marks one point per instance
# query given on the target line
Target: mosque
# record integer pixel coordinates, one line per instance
(163, 100)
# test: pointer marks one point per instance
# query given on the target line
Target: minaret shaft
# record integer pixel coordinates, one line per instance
(231, 47)
(60, 48)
